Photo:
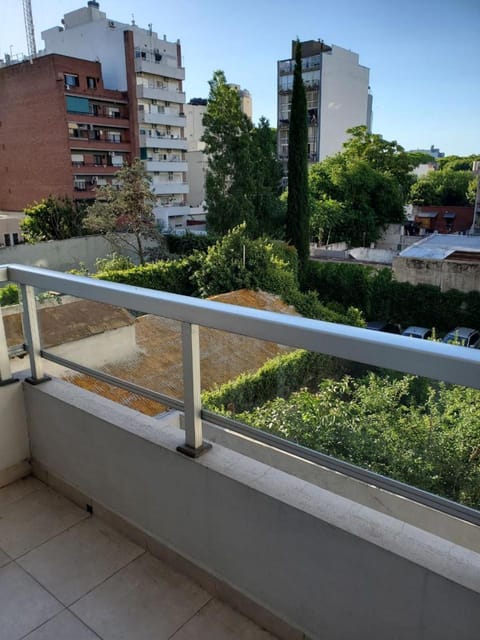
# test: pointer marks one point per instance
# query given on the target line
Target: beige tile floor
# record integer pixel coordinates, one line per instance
(65, 575)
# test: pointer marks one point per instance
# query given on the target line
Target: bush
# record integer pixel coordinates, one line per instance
(379, 296)
(9, 295)
(113, 262)
(174, 276)
(187, 244)
(279, 376)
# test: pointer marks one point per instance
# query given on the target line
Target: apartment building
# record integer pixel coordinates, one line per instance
(338, 97)
(63, 132)
(150, 69)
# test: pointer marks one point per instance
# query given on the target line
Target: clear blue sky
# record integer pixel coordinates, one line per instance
(424, 56)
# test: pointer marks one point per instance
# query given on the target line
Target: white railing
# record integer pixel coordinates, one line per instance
(452, 364)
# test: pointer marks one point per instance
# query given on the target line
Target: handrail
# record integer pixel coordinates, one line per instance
(453, 364)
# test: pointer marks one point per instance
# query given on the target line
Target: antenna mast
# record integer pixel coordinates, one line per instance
(27, 14)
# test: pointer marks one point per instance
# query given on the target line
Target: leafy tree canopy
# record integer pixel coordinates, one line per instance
(445, 187)
(243, 174)
(123, 211)
(457, 163)
(52, 219)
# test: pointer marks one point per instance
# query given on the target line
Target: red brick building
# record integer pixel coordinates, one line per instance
(61, 132)
(444, 219)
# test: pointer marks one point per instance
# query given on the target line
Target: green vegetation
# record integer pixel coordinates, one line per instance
(52, 219)
(356, 193)
(243, 175)
(297, 221)
(427, 436)
(9, 294)
(124, 211)
(379, 296)
(447, 187)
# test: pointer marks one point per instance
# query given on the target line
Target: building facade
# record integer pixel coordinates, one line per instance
(338, 98)
(150, 69)
(63, 133)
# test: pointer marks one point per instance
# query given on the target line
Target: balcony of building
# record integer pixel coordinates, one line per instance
(131, 526)
(166, 165)
(155, 92)
(160, 67)
(165, 186)
(157, 139)
(167, 117)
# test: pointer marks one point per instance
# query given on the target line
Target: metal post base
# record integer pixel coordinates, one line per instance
(36, 381)
(191, 452)
(3, 383)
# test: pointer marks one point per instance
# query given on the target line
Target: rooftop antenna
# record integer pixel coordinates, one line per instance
(27, 14)
(133, 20)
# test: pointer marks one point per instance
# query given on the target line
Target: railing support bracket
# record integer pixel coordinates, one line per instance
(193, 452)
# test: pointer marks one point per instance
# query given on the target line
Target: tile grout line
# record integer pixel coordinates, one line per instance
(21, 497)
(71, 526)
(172, 636)
(68, 606)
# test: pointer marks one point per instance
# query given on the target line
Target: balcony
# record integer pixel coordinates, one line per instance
(157, 93)
(166, 165)
(170, 186)
(159, 68)
(163, 141)
(305, 545)
(167, 119)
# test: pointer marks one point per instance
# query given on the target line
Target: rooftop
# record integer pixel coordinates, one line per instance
(439, 246)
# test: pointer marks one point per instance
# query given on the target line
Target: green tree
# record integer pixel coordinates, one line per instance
(124, 211)
(457, 163)
(352, 201)
(53, 219)
(446, 187)
(228, 145)
(269, 212)
(297, 221)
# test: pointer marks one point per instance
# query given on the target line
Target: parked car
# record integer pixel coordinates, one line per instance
(382, 325)
(423, 333)
(464, 337)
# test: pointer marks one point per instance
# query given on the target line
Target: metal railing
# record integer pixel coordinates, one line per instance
(452, 364)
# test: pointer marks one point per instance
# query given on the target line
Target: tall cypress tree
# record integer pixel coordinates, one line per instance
(297, 222)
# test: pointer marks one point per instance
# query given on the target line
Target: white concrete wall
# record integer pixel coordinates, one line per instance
(344, 100)
(93, 41)
(364, 254)
(328, 566)
(194, 130)
(446, 274)
(197, 167)
(61, 255)
(14, 443)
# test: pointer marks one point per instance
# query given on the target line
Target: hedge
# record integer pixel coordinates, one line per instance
(379, 296)
(278, 377)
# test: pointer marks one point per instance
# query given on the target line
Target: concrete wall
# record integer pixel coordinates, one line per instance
(14, 444)
(382, 256)
(328, 566)
(61, 255)
(344, 98)
(446, 274)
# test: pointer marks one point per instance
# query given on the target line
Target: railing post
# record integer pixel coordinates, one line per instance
(32, 335)
(5, 371)
(194, 445)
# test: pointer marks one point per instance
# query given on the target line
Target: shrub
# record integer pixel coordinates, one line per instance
(9, 295)
(187, 244)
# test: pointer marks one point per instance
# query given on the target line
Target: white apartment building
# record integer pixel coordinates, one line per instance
(338, 98)
(150, 69)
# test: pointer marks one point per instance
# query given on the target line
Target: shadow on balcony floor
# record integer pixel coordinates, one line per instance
(65, 574)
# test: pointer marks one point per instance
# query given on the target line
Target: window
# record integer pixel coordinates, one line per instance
(71, 80)
(15, 238)
(8, 241)
(98, 160)
(91, 82)
(80, 185)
